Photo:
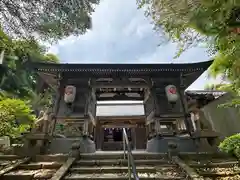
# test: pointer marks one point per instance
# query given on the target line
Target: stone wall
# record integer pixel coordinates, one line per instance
(226, 121)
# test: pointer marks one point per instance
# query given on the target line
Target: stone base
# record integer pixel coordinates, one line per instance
(184, 144)
(87, 145)
(64, 145)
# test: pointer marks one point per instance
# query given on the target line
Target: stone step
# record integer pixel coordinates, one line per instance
(110, 169)
(205, 155)
(213, 164)
(32, 170)
(217, 166)
(220, 173)
(115, 162)
(40, 165)
(100, 156)
(9, 157)
(51, 158)
(29, 174)
(7, 162)
(122, 176)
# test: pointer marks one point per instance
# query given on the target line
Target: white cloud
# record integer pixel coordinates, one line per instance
(122, 34)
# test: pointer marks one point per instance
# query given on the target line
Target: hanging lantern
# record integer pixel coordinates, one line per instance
(171, 93)
(70, 94)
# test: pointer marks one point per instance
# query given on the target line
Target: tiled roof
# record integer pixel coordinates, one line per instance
(122, 69)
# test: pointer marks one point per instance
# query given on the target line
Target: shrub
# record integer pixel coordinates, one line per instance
(231, 145)
(15, 117)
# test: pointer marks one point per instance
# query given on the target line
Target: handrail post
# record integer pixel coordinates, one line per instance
(131, 165)
(124, 146)
(129, 168)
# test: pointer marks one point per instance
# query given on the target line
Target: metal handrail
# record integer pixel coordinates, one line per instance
(131, 164)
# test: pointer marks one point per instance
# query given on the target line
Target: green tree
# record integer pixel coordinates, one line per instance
(211, 22)
(51, 58)
(15, 117)
(231, 145)
(46, 19)
(14, 77)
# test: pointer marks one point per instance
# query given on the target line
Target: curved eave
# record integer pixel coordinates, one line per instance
(128, 69)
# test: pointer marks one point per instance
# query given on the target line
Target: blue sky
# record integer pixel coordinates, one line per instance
(122, 34)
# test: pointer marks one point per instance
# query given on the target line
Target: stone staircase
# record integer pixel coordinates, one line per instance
(113, 166)
(39, 167)
(213, 166)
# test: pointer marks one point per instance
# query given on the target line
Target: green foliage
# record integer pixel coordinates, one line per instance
(18, 88)
(15, 117)
(46, 19)
(14, 77)
(231, 145)
(51, 58)
(210, 22)
(220, 87)
(41, 101)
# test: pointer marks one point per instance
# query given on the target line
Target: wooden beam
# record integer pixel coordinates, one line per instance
(116, 118)
(150, 117)
(51, 82)
(112, 125)
(146, 95)
(120, 104)
(114, 90)
(119, 98)
(63, 169)
(119, 85)
(93, 120)
(14, 166)
(189, 171)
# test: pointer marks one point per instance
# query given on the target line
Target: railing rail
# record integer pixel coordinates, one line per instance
(131, 164)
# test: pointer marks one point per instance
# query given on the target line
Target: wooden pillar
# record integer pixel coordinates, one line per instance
(197, 121)
(96, 135)
(187, 116)
(141, 136)
(147, 131)
(57, 103)
(193, 120)
(134, 139)
(99, 136)
(90, 128)
(157, 126)
(85, 126)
